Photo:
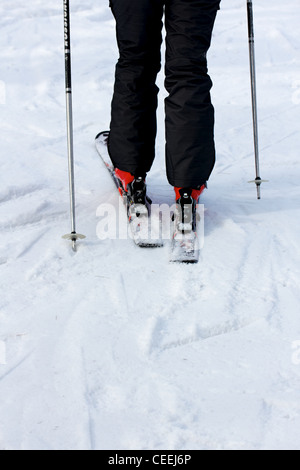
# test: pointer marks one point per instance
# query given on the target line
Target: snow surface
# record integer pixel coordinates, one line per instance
(113, 347)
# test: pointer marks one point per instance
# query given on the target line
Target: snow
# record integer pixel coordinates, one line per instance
(113, 347)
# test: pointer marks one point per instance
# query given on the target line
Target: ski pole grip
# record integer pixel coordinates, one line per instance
(67, 42)
(250, 20)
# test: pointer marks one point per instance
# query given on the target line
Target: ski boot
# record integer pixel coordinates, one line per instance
(134, 191)
(185, 246)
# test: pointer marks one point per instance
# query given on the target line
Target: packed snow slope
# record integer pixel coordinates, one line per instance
(113, 347)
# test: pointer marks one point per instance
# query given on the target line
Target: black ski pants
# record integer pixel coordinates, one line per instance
(190, 149)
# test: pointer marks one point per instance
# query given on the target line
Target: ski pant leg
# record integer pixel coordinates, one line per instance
(190, 150)
(133, 122)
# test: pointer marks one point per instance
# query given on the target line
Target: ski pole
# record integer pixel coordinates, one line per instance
(258, 181)
(73, 236)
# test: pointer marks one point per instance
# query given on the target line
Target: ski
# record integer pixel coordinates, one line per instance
(185, 247)
(143, 233)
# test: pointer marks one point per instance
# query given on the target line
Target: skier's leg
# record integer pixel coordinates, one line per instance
(190, 149)
(133, 123)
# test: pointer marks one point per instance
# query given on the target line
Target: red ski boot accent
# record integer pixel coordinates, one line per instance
(124, 177)
(196, 193)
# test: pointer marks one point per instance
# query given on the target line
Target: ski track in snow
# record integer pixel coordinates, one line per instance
(113, 347)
